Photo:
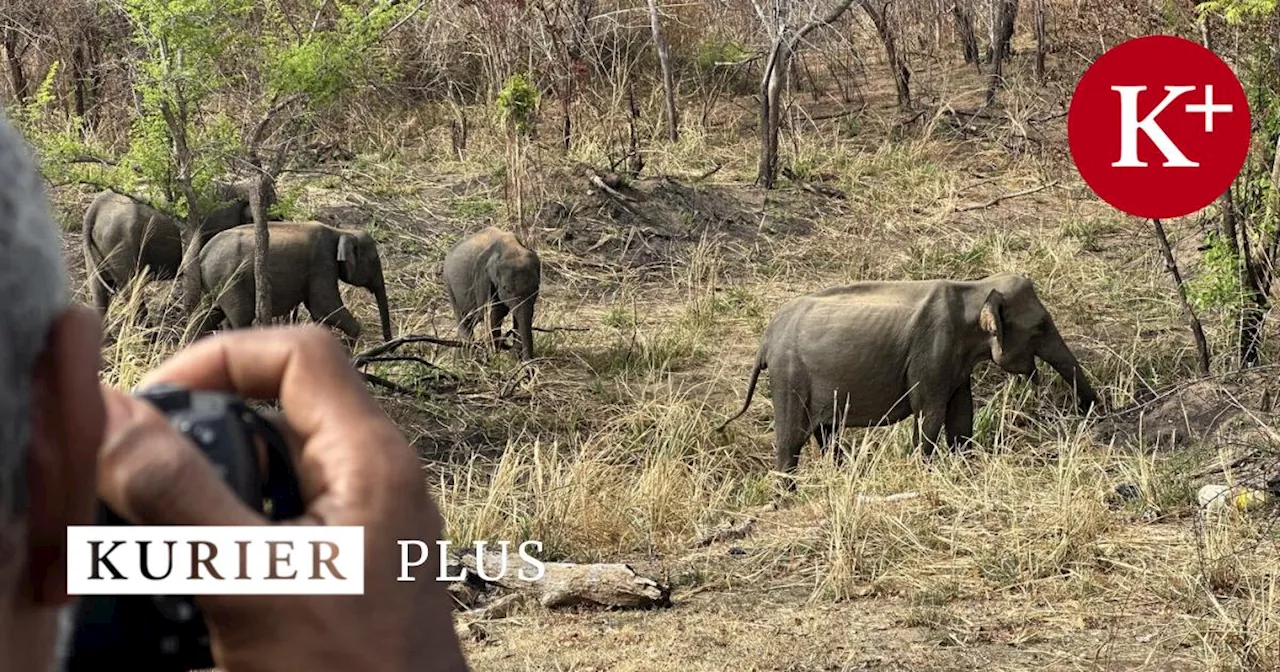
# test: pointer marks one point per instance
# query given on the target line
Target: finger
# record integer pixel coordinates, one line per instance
(303, 367)
(353, 455)
(150, 474)
(293, 446)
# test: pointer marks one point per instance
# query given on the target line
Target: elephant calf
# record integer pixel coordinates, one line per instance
(493, 270)
(122, 236)
(305, 262)
(875, 353)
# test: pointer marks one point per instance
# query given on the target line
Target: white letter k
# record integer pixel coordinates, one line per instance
(1129, 127)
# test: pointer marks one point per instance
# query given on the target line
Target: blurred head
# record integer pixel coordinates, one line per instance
(51, 413)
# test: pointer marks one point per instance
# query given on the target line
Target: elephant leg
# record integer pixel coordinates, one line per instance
(325, 305)
(960, 417)
(342, 320)
(929, 399)
(462, 316)
(100, 291)
(497, 313)
(212, 318)
(467, 329)
(828, 439)
(929, 428)
(239, 311)
(791, 430)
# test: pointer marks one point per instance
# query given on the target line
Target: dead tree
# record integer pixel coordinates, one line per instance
(1257, 267)
(188, 279)
(786, 42)
(1197, 330)
(262, 245)
(885, 28)
(258, 193)
(962, 10)
(668, 80)
(1002, 35)
(1037, 8)
(20, 26)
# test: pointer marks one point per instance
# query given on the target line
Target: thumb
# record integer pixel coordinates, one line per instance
(150, 474)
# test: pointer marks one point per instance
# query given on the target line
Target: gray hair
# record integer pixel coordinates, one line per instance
(33, 292)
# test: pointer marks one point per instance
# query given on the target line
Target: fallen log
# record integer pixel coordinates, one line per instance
(565, 584)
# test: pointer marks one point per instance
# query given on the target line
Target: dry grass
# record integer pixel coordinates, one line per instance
(1010, 559)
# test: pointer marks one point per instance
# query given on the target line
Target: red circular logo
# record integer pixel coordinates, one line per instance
(1159, 127)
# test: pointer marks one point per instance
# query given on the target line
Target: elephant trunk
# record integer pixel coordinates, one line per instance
(523, 317)
(384, 310)
(1054, 350)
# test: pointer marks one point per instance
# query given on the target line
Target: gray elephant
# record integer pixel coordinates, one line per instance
(123, 236)
(305, 262)
(875, 353)
(492, 270)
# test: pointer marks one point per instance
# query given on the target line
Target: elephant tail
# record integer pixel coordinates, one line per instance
(760, 365)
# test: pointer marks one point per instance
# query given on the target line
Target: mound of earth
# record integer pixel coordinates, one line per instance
(1184, 416)
(1199, 411)
(649, 224)
(1234, 416)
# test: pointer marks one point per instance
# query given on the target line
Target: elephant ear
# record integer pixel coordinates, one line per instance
(991, 320)
(492, 270)
(347, 254)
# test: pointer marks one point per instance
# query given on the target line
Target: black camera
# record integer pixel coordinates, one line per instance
(167, 633)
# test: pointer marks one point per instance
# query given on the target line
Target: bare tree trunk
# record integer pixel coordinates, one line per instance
(1258, 275)
(668, 79)
(1002, 34)
(262, 246)
(993, 10)
(771, 86)
(635, 162)
(458, 127)
(897, 64)
(1197, 331)
(1041, 36)
(566, 108)
(1206, 36)
(79, 76)
(773, 83)
(1253, 312)
(458, 133)
(188, 278)
(17, 73)
(963, 13)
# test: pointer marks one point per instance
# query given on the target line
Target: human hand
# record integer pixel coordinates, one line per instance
(354, 468)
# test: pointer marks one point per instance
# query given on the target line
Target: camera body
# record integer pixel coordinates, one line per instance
(167, 633)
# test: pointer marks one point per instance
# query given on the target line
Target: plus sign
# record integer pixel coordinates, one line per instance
(1208, 108)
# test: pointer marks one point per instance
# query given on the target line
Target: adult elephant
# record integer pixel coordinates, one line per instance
(875, 353)
(492, 271)
(123, 237)
(305, 262)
